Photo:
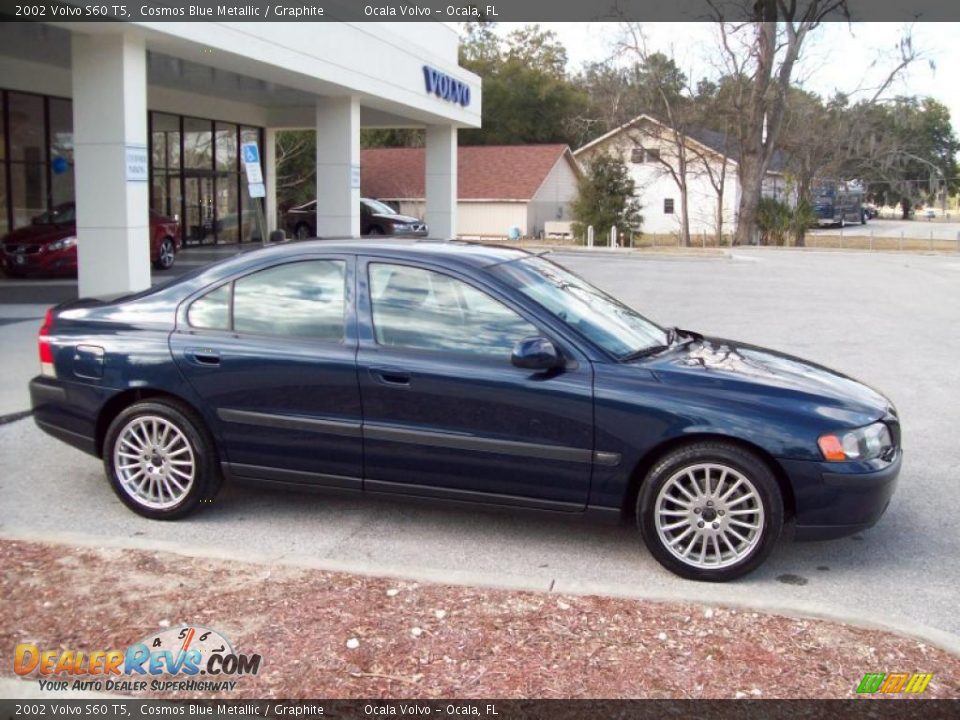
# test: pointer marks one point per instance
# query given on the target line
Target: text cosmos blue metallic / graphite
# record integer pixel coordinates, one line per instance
(462, 372)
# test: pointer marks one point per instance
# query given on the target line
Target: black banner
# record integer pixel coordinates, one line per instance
(110, 709)
(459, 11)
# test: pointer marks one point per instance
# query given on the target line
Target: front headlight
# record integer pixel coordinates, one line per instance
(62, 244)
(866, 443)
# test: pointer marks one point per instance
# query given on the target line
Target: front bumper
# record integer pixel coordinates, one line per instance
(838, 499)
(45, 263)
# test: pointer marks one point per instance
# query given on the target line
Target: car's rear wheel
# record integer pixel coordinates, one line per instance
(167, 254)
(710, 511)
(160, 460)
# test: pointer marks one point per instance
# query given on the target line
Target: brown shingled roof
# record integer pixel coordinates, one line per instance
(485, 172)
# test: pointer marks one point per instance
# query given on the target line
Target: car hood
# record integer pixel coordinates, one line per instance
(398, 218)
(739, 367)
(42, 234)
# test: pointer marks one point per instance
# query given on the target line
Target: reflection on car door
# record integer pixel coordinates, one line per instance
(445, 412)
(273, 356)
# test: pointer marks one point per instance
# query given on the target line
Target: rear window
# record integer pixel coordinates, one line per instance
(302, 299)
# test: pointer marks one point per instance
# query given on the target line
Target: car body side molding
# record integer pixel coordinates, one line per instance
(477, 444)
(292, 422)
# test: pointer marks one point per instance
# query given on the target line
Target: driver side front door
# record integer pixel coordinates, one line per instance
(445, 412)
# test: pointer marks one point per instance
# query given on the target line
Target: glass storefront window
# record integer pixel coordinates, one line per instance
(4, 225)
(28, 190)
(61, 151)
(197, 144)
(3, 132)
(227, 147)
(202, 186)
(228, 209)
(165, 140)
(27, 139)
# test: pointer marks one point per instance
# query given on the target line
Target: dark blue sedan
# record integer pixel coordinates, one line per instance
(469, 373)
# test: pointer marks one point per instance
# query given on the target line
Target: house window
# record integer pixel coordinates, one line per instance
(668, 206)
(640, 155)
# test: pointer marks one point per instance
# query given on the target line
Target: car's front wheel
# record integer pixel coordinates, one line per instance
(710, 511)
(167, 254)
(160, 460)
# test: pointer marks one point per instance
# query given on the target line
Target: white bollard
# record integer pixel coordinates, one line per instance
(613, 237)
(590, 236)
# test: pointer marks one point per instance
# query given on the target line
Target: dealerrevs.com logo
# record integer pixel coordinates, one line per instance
(891, 683)
(187, 658)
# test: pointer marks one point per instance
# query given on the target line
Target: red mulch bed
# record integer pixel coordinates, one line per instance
(337, 635)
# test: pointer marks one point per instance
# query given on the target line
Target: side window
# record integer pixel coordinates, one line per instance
(299, 299)
(426, 310)
(211, 311)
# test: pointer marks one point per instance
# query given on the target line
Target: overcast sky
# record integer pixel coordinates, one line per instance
(839, 57)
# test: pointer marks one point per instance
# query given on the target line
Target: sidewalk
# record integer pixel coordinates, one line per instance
(325, 634)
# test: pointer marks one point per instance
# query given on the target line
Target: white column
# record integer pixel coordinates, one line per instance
(441, 181)
(110, 116)
(270, 165)
(338, 167)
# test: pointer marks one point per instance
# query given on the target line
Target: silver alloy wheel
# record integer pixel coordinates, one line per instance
(709, 516)
(167, 254)
(154, 462)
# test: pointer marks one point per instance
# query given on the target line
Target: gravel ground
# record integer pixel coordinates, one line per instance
(338, 635)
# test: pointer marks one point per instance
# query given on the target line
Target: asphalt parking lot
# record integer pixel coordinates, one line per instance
(888, 319)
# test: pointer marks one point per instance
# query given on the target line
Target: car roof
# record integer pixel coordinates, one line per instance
(458, 252)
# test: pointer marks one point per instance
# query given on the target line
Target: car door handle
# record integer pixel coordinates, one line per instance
(391, 376)
(203, 356)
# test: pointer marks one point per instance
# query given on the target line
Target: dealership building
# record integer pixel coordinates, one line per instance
(128, 117)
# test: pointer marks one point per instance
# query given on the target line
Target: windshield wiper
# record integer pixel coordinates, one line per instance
(642, 353)
(673, 337)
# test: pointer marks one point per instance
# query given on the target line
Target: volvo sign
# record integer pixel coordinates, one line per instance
(445, 87)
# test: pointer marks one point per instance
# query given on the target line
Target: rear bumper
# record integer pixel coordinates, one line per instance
(838, 499)
(56, 415)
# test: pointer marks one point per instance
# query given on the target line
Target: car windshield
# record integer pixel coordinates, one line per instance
(379, 208)
(60, 215)
(609, 323)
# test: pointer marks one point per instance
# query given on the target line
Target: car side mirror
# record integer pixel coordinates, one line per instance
(536, 353)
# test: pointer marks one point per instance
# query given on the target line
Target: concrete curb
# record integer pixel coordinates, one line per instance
(942, 639)
(15, 416)
(645, 252)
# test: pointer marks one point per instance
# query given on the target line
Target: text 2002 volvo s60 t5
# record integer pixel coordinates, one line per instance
(463, 372)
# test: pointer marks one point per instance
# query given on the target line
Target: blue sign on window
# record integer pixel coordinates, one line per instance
(446, 87)
(251, 154)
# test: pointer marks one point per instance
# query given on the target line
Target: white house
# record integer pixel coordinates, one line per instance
(650, 149)
(127, 117)
(499, 187)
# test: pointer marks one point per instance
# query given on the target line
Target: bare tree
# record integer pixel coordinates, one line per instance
(760, 57)
(668, 97)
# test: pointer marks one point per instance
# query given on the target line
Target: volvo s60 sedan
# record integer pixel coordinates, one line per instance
(448, 370)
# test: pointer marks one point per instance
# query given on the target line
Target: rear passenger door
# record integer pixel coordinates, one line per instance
(272, 353)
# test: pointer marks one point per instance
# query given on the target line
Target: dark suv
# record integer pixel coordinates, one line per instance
(376, 218)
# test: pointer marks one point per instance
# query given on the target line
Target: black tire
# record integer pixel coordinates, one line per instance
(167, 256)
(740, 460)
(302, 231)
(375, 231)
(206, 471)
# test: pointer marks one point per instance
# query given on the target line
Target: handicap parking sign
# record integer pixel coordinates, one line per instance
(251, 155)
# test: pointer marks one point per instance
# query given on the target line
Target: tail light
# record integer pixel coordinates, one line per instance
(46, 347)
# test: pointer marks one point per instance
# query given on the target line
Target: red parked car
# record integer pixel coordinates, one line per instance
(48, 246)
